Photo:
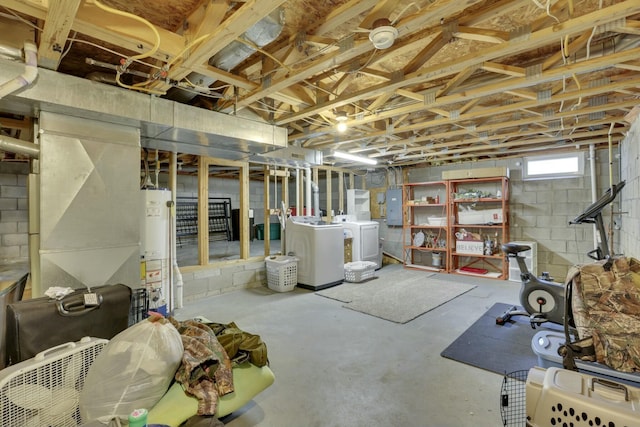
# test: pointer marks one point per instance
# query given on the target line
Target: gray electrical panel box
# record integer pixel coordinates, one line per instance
(394, 206)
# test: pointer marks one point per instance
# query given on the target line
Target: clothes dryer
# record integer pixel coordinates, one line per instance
(319, 248)
(366, 242)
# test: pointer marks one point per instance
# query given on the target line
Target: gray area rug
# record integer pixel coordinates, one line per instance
(398, 302)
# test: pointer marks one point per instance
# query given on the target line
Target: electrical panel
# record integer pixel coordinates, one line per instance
(394, 206)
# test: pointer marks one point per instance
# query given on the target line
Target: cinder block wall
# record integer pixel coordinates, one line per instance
(14, 215)
(540, 211)
(629, 235)
(200, 282)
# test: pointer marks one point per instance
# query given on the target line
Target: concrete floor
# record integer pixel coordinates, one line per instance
(338, 367)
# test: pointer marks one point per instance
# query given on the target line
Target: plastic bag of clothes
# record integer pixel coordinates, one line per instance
(133, 371)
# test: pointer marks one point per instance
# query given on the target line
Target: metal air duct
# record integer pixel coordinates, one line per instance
(261, 34)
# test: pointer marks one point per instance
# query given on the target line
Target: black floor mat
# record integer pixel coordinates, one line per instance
(499, 349)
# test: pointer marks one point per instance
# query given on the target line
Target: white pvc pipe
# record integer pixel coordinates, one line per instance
(308, 191)
(298, 211)
(29, 74)
(594, 189)
(14, 145)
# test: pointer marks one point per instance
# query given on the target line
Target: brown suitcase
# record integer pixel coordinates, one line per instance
(41, 323)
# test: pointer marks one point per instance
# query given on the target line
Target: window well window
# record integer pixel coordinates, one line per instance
(554, 166)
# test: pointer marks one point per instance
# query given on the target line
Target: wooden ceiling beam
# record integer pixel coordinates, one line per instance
(344, 13)
(630, 27)
(508, 70)
(523, 105)
(438, 42)
(481, 35)
(499, 86)
(208, 15)
(535, 40)
(57, 25)
(112, 29)
(490, 11)
(429, 16)
(483, 145)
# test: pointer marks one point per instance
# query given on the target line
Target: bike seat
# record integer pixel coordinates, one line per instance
(514, 248)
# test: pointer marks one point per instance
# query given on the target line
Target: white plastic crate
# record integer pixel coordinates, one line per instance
(282, 272)
(359, 271)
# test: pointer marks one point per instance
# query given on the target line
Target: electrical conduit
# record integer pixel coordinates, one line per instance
(30, 71)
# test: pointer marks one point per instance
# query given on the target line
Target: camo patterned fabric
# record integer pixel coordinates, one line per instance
(605, 305)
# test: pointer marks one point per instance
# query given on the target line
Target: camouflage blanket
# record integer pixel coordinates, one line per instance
(605, 306)
(205, 371)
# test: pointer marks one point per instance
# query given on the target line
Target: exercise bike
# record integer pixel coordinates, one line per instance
(543, 299)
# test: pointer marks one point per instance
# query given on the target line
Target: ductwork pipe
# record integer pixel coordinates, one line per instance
(10, 52)
(18, 146)
(30, 71)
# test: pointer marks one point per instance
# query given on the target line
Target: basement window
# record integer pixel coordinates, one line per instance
(554, 166)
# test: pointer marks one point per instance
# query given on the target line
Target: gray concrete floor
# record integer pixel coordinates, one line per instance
(339, 367)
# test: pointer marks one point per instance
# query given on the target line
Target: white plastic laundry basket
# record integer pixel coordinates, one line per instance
(282, 272)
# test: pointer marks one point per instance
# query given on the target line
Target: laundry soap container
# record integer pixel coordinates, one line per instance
(282, 272)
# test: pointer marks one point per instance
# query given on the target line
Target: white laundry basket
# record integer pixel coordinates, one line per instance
(282, 272)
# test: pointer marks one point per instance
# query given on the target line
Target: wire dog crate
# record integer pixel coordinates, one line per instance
(513, 404)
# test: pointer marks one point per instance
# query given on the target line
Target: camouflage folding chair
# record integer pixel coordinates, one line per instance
(603, 302)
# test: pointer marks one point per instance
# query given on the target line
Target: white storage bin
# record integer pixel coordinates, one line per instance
(359, 271)
(485, 216)
(437, 220)
(282, 272)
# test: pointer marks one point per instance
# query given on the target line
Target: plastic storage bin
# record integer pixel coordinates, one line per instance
(359, 271)
(282, 272)
(545, 345)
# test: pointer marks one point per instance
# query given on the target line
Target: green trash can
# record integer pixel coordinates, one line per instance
(274, 231)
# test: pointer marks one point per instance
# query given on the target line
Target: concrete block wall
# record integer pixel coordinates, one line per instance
(629, 234)
(201, 282)
(14, 213)
(540, 211)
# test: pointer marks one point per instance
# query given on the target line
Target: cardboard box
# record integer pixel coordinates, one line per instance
(471, 247)
(476, 173)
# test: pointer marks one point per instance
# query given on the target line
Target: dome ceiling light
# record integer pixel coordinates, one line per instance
(383, 34)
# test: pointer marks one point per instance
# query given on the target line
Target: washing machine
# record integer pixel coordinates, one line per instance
(319, 248)
(366, 242)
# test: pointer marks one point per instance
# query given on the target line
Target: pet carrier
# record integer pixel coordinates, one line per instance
(560, 397)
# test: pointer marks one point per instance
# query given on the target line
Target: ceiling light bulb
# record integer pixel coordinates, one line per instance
(341, 126)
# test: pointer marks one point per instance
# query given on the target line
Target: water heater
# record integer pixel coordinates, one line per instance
(155, 248)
